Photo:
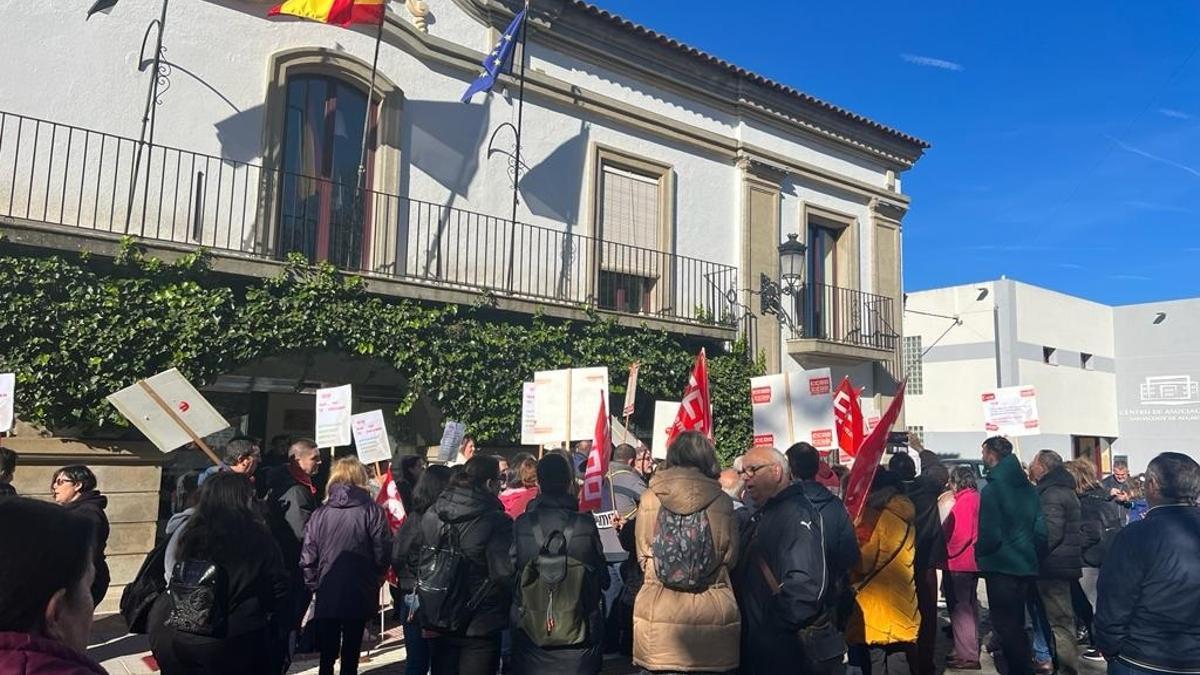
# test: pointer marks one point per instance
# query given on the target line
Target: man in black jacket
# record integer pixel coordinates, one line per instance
(924, 491)
(1064, 555)
(291, 500)
(1147, 614)
(780, 579)
(841, 544)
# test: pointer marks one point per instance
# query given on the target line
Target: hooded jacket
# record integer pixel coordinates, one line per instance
(1146, 608)
(553, 512)
(1060, 509)
(485, 536)
(1101, 519)
(174, 532)
(91, 505)
(785, 534)
(887, 594)
(346, 549)
(673, 630)
(1012, 529)
(25, 654)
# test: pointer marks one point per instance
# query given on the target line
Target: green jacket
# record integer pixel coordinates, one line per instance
(1012, 530)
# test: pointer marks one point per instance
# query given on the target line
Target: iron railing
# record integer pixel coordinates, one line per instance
(70, 176)
(844, 315)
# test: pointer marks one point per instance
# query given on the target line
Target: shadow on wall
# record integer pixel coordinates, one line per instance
(240, 134)
(445, 139)
(553, 187)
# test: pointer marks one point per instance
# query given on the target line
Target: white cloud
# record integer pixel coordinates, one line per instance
(1071, 266)
(1155, 158)
(1130, 277)
(1174, 114)
(1155, 206)
(931, 62)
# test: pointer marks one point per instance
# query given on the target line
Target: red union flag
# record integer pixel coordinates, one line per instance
(848, 417)
(591, 497)
(695, 412)
(869, 454)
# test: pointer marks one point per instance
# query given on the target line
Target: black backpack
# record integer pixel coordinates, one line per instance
(445, 600)
(552, 590)
(139, 595)
(199, 594)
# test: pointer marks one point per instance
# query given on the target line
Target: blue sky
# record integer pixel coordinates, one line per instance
(1065, 140)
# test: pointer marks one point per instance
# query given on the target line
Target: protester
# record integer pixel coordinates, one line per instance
(470, 513)
(1137, 499)
(1060, 567)
(627, 484)
(841, 542)
(1117, 484)
(883, 631)
(241, 455)
(1148, 617)
(554, 512)
(292, 498)
(466, 450)
(962, 530)
(685, 617)
(924, 492)
(406, 474)
(274, 458)
(8, 467)
(405, 558)
(347, 547)
(781, 580)
(74, 488)
(644, 464)
(522, 485)
(1100, 520)
(45, 599)
(1012, 532)
(226, 531)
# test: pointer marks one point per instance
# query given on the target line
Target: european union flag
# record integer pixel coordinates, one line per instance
(496, 59)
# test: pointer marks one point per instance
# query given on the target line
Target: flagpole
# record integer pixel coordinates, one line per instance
(512, 242)
(362, 155)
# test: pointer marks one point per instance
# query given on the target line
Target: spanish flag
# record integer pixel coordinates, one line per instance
(338, 12)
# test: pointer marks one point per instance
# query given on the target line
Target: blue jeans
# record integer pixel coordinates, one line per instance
(1040, 627)
(416, 661)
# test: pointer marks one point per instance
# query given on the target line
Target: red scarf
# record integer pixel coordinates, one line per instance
(301, 477)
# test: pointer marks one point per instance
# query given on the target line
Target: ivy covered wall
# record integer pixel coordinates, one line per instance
(75, 330)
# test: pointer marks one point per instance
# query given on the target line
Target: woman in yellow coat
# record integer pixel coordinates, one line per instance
(883, 629)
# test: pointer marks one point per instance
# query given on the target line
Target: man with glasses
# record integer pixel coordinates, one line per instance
(241, 455)
(780, 578)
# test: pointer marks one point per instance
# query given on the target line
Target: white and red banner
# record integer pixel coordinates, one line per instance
(591, 497)
(695, 411)
(848, 417)
(631, 388)
(858, 485)
(792, 407)
(1011, 411)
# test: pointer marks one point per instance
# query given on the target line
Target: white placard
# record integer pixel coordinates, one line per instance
(333, 417)
(794, 407)
(870, 414)
(566, 403)
(604, 519)
(664, 417)
(1011, 411)
(370, 437)
(631, 390)
(8, 385)
(453, 435)
(622, 435)
(137, 406)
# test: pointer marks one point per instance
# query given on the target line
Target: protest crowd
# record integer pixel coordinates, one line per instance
(496, 565)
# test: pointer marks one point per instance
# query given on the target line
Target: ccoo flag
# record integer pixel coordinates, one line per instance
(495, 60)
(695, 412)
(869, 455)
(337, 12)
(848, 417)
(591, 497)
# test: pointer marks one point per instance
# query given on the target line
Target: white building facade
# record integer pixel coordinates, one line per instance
(1110, 381)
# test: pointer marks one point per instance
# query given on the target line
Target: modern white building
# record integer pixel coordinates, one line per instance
(1110, 381)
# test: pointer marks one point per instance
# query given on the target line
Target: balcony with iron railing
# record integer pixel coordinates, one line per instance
(82, 182)
(831, 324)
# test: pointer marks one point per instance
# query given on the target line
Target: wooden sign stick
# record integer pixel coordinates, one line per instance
(179, 420)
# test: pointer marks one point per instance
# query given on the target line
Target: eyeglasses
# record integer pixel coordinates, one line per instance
(751, 471)
(63, 481)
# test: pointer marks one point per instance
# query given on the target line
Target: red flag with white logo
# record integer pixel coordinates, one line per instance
(695, 412)
(848, 417)
(869, 453)
(591, 497)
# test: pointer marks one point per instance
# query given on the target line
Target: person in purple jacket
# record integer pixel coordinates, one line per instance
(347, 548)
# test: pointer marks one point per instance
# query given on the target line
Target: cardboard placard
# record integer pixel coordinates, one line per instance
(193, 412)
(333, 416)
(565, 403)
(588, 386)
(452, 439)
(622, 435)
(370, 437)
(531, 433)
(631, 389)
(8, 386)
(1011, 411)
(664, 418)
(793, 407)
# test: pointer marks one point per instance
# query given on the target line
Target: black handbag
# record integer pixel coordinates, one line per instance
(199, 597)
(141, 593)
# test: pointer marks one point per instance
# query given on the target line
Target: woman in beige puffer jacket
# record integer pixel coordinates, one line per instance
(676, 631)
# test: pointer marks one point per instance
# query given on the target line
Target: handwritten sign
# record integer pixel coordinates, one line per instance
(333, 417)
(452, 439)
(8, 385)
(370, 437)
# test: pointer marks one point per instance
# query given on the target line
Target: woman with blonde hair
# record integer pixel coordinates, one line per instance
(347, 547)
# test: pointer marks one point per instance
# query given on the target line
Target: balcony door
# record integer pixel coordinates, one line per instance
(822, 279)
(321, 215)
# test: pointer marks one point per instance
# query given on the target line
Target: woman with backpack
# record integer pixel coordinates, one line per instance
(558, 550)
(429, 487)
(347, 547)
(685, 617)
(465, 574)
(227, 556)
